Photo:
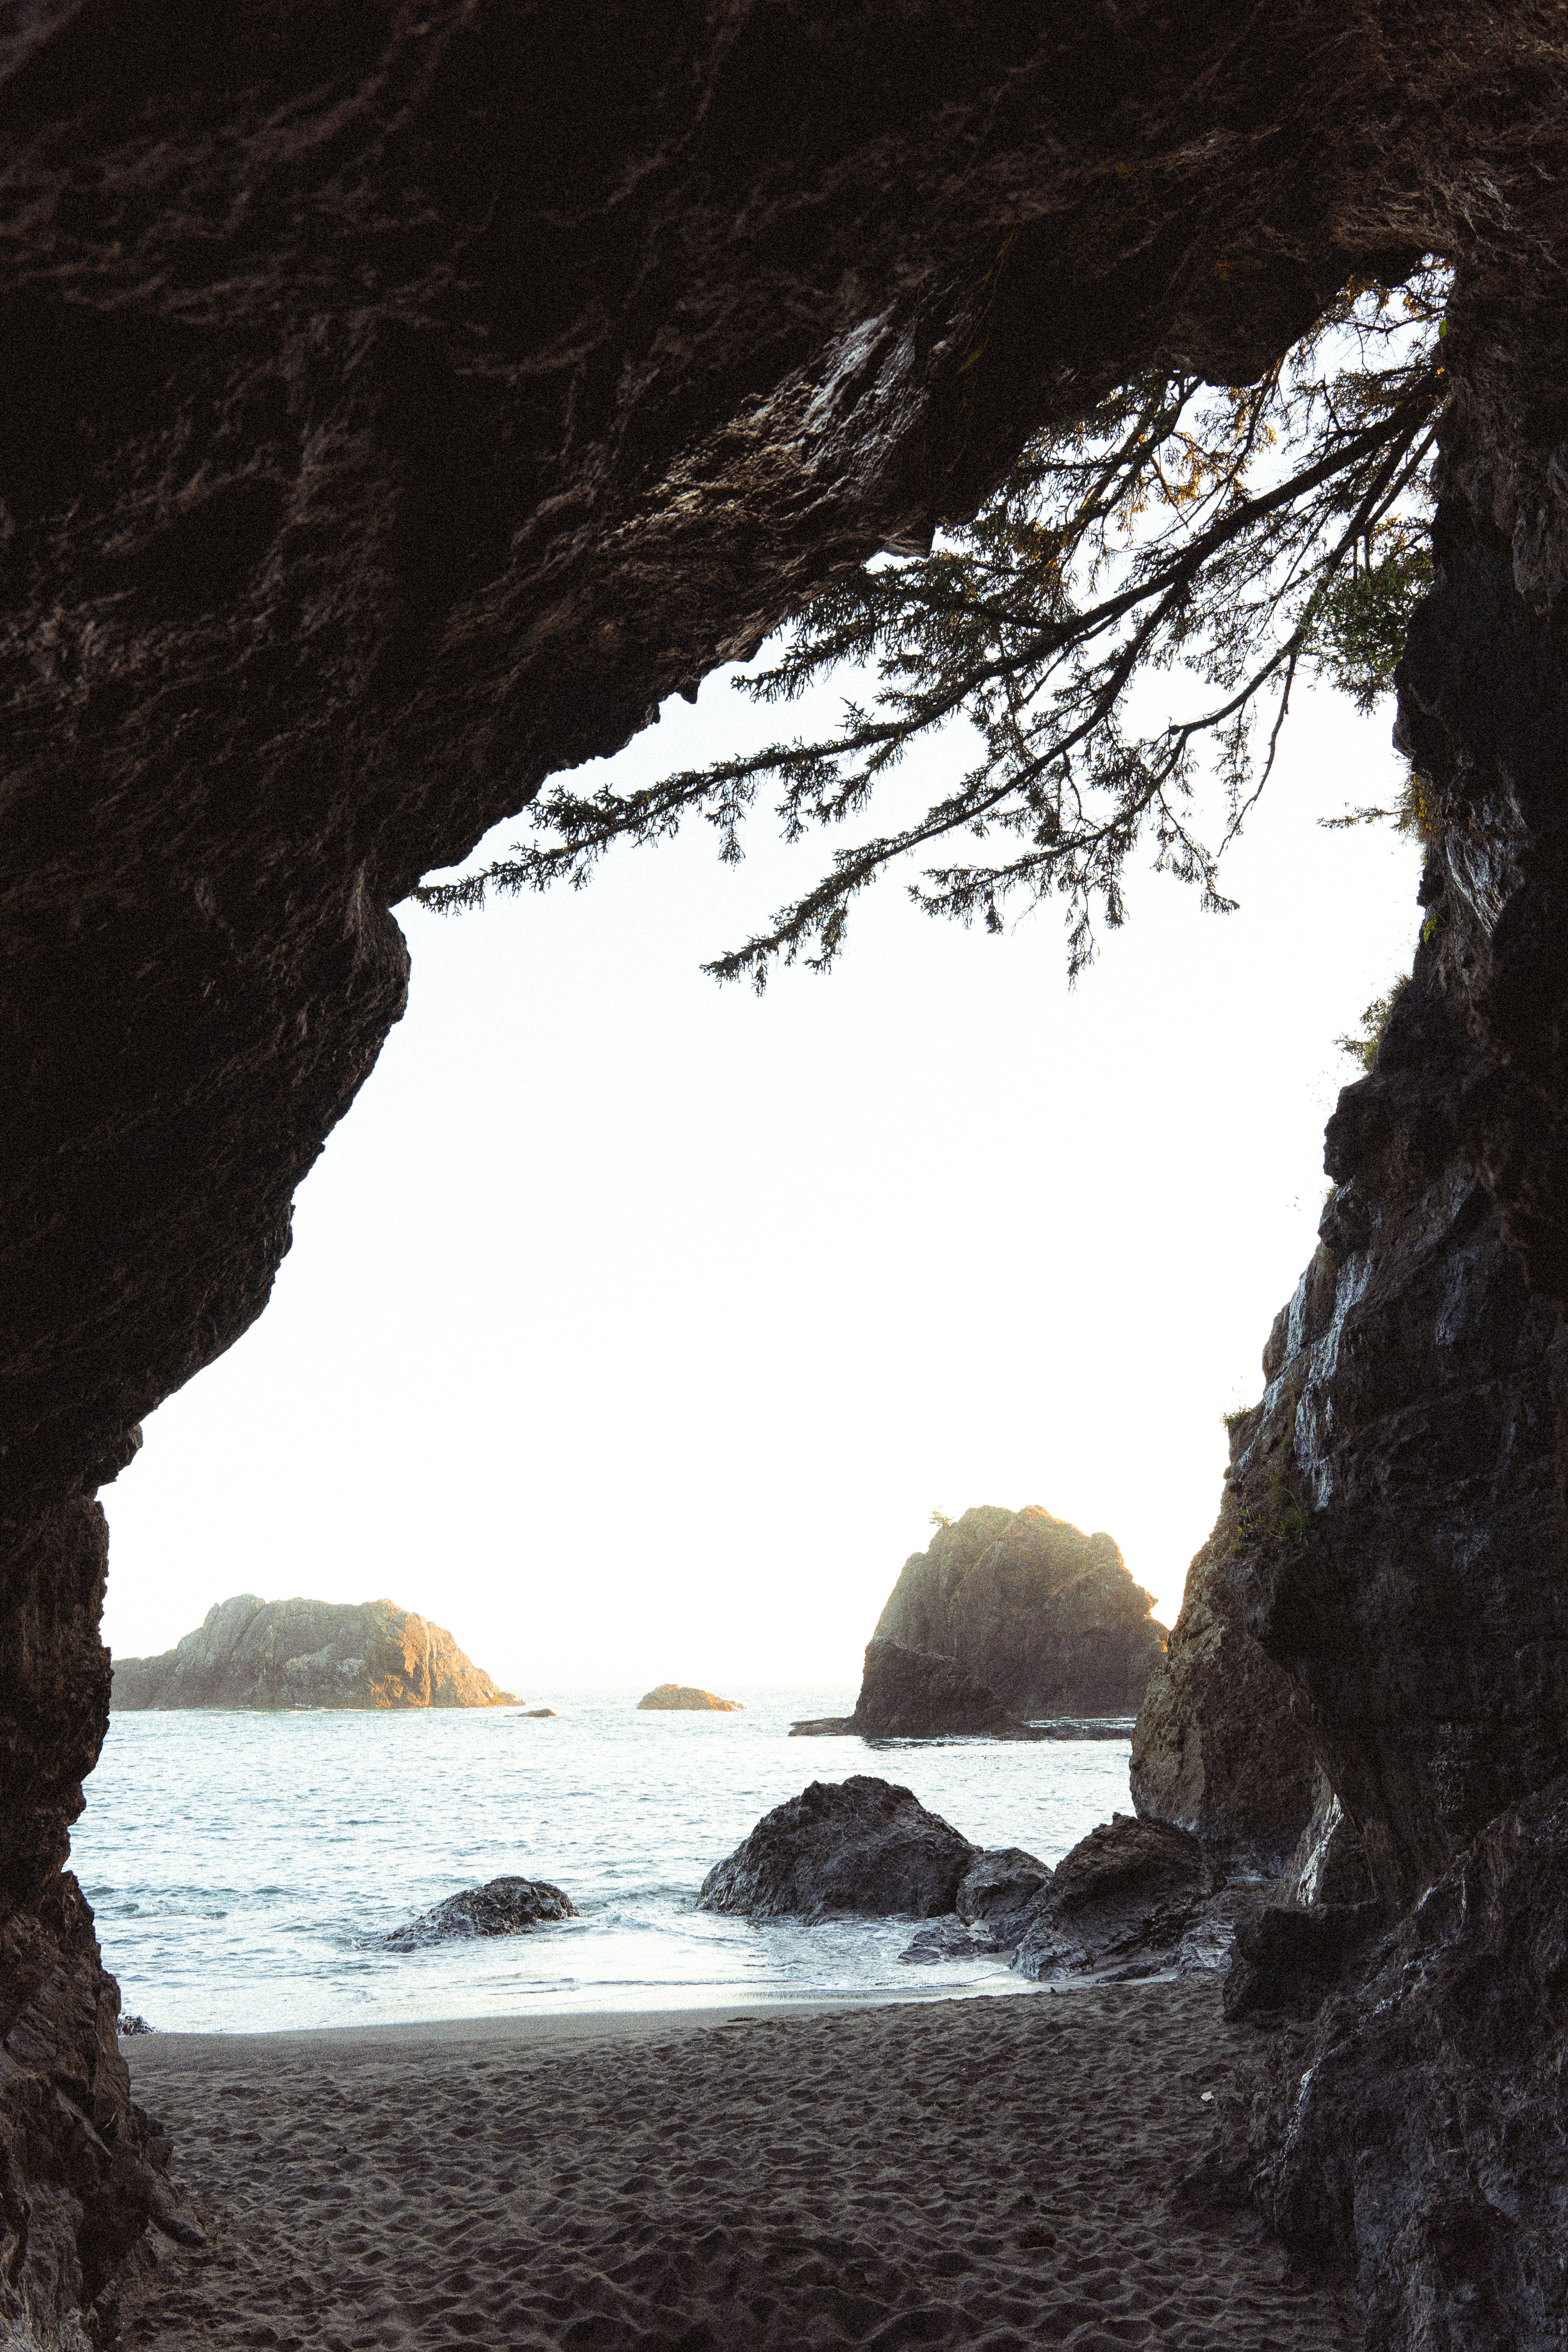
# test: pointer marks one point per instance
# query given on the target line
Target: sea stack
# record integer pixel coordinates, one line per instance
(250, 1653)
(684, 1698)
(1046, 1618)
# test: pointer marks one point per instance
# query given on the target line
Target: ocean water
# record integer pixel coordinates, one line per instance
(245, 1868)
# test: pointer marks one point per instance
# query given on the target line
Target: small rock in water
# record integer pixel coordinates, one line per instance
(949, 1940)
(537, 1714)
(684, 1698)
(131, 2024)
(504, 1906)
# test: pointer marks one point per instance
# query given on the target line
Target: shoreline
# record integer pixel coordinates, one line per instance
(143, 2052)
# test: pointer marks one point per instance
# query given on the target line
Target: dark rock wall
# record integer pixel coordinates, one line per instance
(1399, 1544)
(1397, 1500)
(1220, 1749)
(1413, 2132)
(1048, 1618)
(399, 401)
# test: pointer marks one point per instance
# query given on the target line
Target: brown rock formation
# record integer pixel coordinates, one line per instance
(399, 402)
(272, 1653)
(684, 1698)
(1046, 1617)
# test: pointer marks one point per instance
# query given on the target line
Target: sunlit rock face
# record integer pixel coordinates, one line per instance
(277, 1654)
(685, 1698)
(398, 405)
(1044, 1616)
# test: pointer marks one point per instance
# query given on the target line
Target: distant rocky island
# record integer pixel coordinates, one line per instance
(1048, 1618)
(684, 1698)
(1007, 1617)
(250, 1653)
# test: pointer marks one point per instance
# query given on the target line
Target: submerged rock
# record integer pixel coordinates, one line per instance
(683, 1698)
(251, 1652)
(1044, 1616)
(502, 1907)
(1085, 1726)
(861, 1848)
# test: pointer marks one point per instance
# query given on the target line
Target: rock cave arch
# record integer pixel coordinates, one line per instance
(399, 402)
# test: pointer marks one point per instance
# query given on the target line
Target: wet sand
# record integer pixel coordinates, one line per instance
(984, 2174)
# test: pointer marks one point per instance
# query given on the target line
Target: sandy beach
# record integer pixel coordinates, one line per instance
(987, 2174)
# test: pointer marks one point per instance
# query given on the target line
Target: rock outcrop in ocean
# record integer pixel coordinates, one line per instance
(502, 1907)
(912, 1695)
(1044, 1616)
(684, 1698)
(401, 404)
(279, 1654)
(855, 1849)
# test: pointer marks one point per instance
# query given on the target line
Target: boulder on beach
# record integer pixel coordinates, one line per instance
(684, 1698)
(250, 1653)
(992, 1906)
(861, 1848)
(502, 1907)
(999, 1890)
(1125, 1898)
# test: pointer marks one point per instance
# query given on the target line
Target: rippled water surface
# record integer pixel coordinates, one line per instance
(243, 1867)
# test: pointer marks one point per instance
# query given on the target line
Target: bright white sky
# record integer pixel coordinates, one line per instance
(634, 1326)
